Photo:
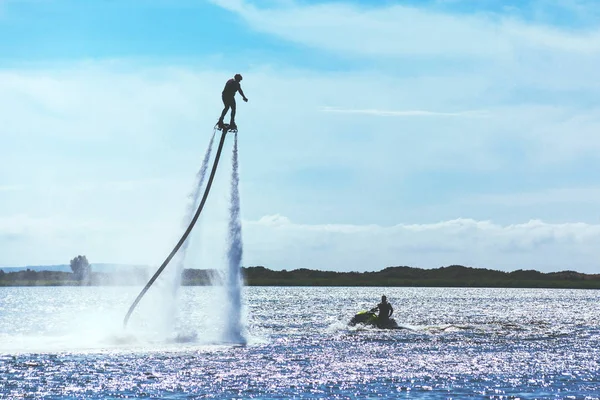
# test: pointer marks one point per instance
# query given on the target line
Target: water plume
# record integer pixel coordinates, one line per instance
(175, 275)
(233, 280)
(193, 197)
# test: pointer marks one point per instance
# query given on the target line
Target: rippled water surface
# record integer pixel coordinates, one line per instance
(457, 343)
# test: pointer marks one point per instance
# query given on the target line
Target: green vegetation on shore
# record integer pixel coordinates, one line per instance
(451, 276)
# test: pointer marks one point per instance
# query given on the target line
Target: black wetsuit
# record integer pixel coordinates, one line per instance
(231, 87)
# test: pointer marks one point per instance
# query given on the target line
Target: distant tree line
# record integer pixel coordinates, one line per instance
(451, 276)
(81, 275)
(37, 278)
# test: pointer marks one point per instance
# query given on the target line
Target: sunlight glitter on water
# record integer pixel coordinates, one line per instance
(476, 343)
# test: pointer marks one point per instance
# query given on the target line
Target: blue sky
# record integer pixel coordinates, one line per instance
(377, 133)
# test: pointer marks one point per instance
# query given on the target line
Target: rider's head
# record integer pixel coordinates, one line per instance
(238, 77)
(383, 299)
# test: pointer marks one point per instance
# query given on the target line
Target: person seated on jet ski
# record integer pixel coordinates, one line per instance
(385, 310)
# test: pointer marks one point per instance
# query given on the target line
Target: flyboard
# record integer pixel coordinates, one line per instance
(224, 128)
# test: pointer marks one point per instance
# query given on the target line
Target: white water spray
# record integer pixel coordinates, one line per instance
(193, 197)
(174, 277)
(233, 283)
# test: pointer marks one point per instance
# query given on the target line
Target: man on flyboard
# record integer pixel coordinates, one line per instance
(231, 88)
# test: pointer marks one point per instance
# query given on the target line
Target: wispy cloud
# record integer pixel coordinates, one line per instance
(406, 113)
(395, 30)
(466, 226)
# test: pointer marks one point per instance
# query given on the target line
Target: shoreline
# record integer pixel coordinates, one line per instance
(452, 276)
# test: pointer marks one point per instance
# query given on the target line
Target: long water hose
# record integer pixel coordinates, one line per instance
(185, 234)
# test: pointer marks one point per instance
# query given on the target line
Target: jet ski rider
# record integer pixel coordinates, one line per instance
(385, 310)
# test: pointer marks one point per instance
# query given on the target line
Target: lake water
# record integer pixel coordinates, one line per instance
(458, 343)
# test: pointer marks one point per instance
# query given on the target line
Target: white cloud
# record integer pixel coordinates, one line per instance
(102, 156)
(533, 244)
(553, 38)
(398, 30)
(273, 220)
(277, 242)
(99, 156)
(406, 113)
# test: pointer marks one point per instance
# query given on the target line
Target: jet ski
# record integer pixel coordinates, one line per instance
(370, 318)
